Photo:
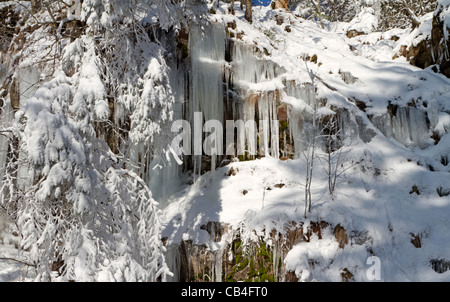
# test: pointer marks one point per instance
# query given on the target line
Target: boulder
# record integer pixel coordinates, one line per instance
(341, 236)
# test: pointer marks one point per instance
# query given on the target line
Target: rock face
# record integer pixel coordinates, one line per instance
(432, 51)
(420, 55)
(440, 46)
(231, 256)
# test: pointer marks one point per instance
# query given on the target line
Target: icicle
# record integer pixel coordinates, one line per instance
(250, 134)
(297, 117)
(263, 129)
(27, 85)
(383, 123)
(165, 180)
(172, 256)
(401, 127)
(295, 122)
(408, 126)
(418, 127)
(207, 47)
(433, 112)
(274, 129)
(218, 265)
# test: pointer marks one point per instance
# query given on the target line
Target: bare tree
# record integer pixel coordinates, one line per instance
(335, 161)
(332, 137)
(309, 154)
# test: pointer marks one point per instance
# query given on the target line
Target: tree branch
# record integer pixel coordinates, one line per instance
(18, 261)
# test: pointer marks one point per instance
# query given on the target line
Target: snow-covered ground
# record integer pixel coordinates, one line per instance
(267, 194)
(13, 265)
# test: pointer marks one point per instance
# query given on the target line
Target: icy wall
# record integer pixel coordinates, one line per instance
(228, 81)
(231, 80)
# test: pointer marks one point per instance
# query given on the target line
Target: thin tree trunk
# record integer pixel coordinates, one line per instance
(312, 76)
(248, 11)
(231, 9)
(329, 172)
(311, 149)
(312, 163)
(318, 11)
(306, 183)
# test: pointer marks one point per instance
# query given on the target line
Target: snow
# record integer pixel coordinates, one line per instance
(444, 15)
(363, 203)
(387, 154)
(374, 197)
(366, 21)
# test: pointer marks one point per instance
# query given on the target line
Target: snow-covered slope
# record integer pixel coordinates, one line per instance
(392, 195)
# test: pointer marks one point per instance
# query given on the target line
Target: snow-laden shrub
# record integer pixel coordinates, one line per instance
(84, 210)
(365, 22)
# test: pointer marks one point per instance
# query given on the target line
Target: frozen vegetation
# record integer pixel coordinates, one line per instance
(93, 189)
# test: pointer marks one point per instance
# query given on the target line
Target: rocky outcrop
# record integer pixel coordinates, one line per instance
(439, 45)
(354, 33)
(439, 265)
(232, 256)
(420, 55)
(434, 50)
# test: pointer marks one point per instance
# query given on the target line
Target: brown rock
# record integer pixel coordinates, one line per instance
(282, 4)
(291, 277)
(354, 33)
(414, 189)
(416, 240)
(341, 236)
(346, 275)
(232, 172)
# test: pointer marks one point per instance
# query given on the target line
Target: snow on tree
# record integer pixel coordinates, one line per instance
(332, 10)
(389, 13)
(63, 182)
(87, 212)
(404, 13)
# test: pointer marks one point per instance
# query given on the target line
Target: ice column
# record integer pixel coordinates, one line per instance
(164, 179)
(28, 79)
(207, 50)
(298, 118)
(407, 125)
(251, 78)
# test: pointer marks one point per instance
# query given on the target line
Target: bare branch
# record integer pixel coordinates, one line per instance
(18, 261)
